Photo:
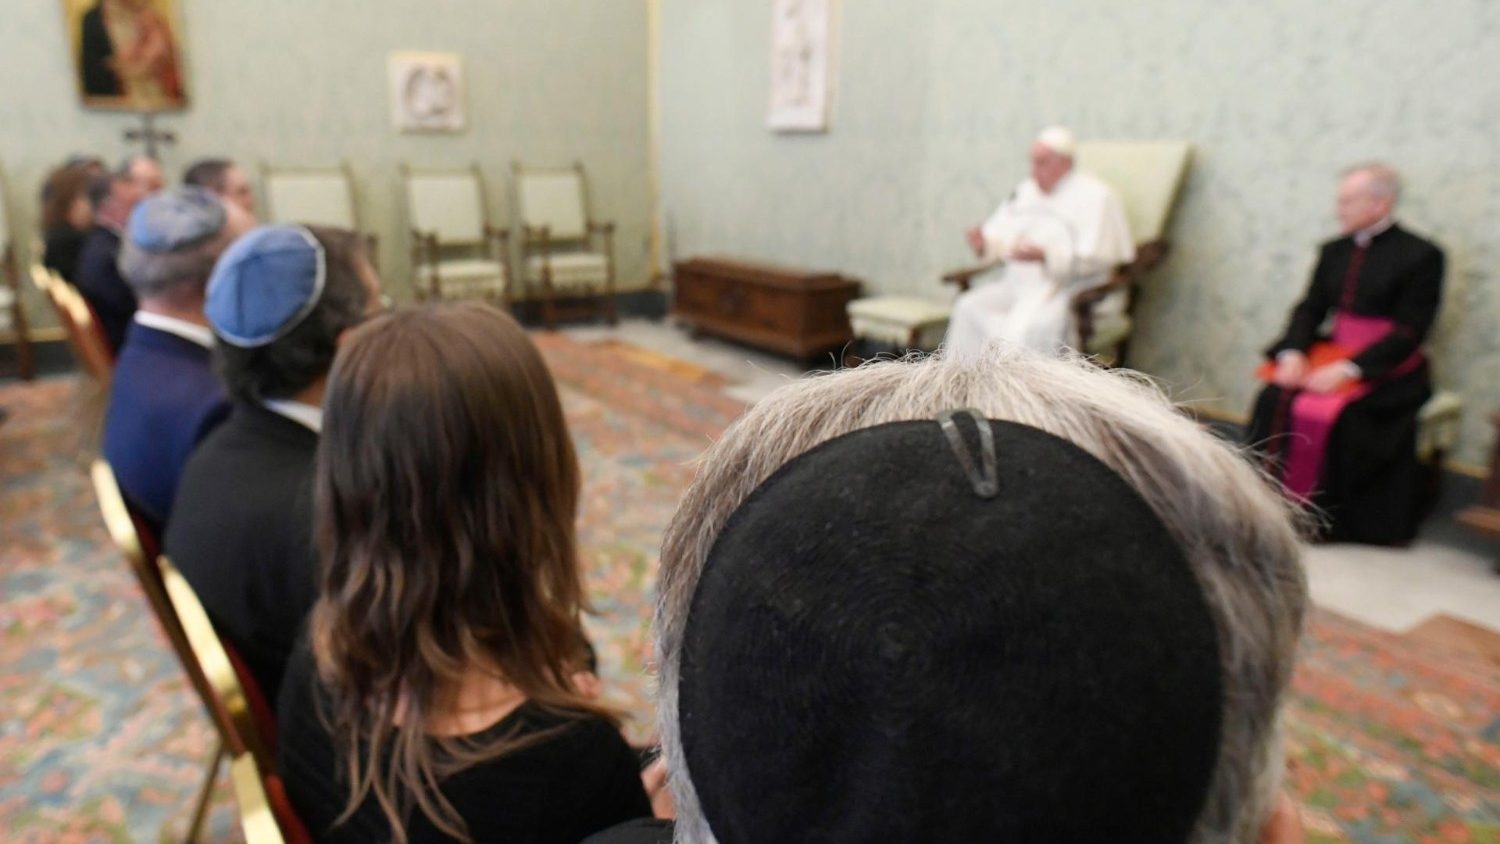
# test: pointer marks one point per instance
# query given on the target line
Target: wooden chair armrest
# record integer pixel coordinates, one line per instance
(1148, 255)
(501, 234)
(536, 235)
(605, 227)
(965, 276)
(1085, 300)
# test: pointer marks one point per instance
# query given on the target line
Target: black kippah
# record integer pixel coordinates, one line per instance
(880, 651)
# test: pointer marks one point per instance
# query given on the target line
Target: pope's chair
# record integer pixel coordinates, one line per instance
(238, 717)
(565, 253)
(456, 252)
(85, 335)
(1147, 176)
(12, 309)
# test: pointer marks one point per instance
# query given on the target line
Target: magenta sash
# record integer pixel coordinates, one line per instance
(1312, 415)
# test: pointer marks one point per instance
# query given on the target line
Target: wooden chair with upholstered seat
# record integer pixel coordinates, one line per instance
(222, 684)
(1147, 176)
(456, 251)
(565, 253)
(313, 196)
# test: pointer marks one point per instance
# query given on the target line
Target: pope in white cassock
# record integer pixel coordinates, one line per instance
(1061, 232)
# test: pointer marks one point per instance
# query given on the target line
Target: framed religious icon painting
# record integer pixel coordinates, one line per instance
(127, 54)
(427, 92)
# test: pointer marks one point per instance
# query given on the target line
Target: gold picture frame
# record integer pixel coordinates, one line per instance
(127, 54)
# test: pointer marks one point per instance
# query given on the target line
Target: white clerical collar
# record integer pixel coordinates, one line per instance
(1365, 235)
(305, 415)
(200, 334)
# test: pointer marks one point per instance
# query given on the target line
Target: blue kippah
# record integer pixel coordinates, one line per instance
(176, 219)
(265, 284)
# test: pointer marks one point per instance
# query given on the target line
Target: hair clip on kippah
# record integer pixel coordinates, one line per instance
(984, 477)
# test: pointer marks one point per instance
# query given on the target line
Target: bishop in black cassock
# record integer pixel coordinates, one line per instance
(1342, 435)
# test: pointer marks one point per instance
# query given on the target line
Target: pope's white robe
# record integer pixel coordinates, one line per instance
(1081, 227)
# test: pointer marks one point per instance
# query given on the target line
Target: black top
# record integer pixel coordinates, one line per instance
(98, 279)
(639, 831)
(63, 246)
(241, 533)
(1400, 278)
(579, 782)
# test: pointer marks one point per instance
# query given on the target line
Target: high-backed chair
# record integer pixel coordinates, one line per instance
(12, 308)
(85, 335)
(210, 667)
(1147, 176)
(320, 196)
(317, 196)
(565, 252)
(456, 252)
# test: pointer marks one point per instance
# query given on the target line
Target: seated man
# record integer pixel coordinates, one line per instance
(113, 196)
(1068, 615)
(165, 396)
(1061, 232)
(241, 532)
(1342, 433)
(224, 178)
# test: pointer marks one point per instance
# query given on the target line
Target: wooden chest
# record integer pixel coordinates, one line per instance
(783, 310)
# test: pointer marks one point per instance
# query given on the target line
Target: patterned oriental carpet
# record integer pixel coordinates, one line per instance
(101, 740)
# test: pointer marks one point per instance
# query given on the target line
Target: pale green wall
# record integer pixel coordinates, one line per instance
(303, 82)
(936, 99)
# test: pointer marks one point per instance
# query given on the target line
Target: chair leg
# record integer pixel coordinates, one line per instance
(205, 793)
(549, 308)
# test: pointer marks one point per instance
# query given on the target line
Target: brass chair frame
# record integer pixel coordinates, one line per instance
(85, 337)
(257, 819)
(191, 636)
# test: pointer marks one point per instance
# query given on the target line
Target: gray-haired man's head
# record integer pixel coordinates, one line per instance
(172, 240)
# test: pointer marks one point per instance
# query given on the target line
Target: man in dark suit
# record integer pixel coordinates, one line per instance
(113, 195)
(1338, 423)
(241, 532)
(164, 396)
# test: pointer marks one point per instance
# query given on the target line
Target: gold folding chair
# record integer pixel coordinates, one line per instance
(85, 337)
(257, 820)
(190, 634)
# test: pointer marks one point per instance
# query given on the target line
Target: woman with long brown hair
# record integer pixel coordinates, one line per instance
(67, 214)
(436, 700)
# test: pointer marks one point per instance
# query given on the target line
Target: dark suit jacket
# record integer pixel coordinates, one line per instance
(99, 280)
(164, 399)
(241, 533)
(94, 52)
(63, 246)
(1401, 279)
